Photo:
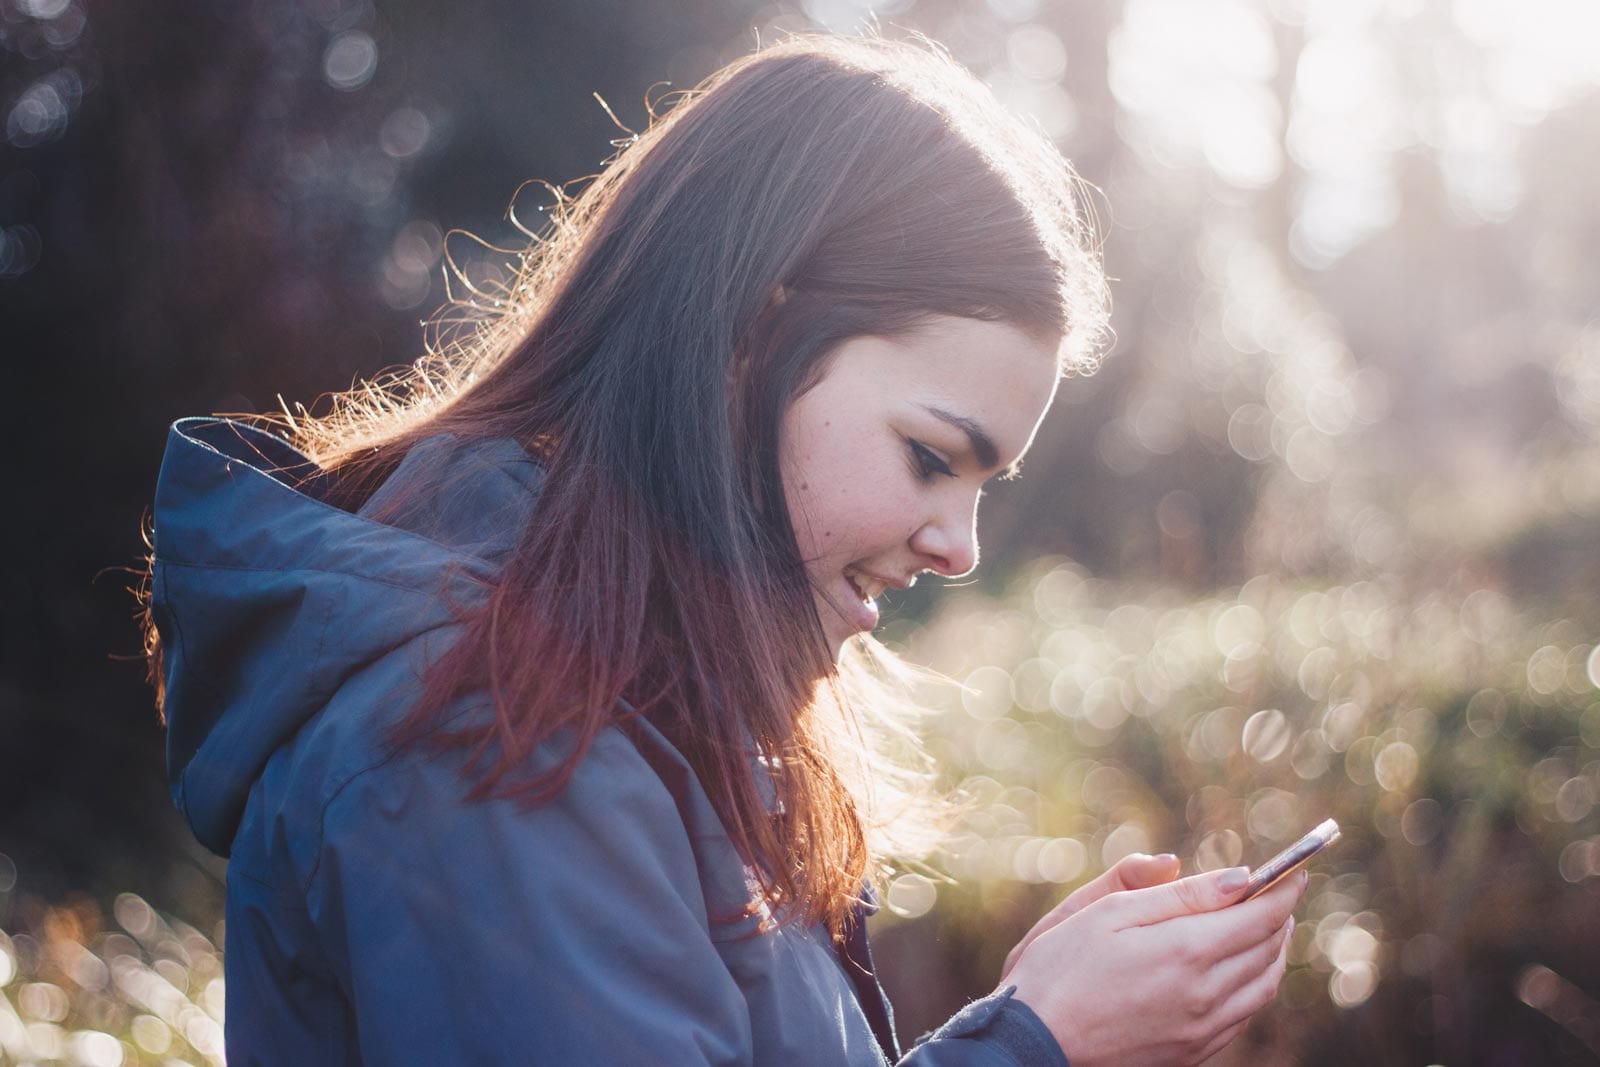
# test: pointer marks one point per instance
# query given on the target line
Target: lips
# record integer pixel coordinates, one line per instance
(861, 610)
(867, 586)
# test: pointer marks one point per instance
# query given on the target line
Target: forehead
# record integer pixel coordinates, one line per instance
(990, 373)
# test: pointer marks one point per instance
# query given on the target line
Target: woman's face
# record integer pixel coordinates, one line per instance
(885, 458)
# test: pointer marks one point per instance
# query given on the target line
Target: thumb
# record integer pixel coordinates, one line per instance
(1186, 896)
(1135, 871)
(1140, 871)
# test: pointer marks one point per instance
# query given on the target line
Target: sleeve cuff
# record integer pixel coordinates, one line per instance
(1008, 1024)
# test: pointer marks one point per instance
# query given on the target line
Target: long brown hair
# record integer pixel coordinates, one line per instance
(645, 352)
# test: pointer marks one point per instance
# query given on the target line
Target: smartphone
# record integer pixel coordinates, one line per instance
(1292, 858)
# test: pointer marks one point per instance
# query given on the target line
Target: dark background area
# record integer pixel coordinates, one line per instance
(212, 224)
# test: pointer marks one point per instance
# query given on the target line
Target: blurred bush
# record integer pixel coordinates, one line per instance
(142, 988)
(1452, 732)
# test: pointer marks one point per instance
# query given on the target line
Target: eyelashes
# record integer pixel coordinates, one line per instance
(928, 463)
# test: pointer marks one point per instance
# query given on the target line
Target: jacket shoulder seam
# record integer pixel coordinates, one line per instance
(390, 757)
(322, 812)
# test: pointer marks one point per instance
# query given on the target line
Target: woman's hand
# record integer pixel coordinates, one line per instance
(1167, 974)
(1138, 871)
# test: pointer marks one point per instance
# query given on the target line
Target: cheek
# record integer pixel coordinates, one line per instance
(832, 501)
(848, 517)
(841, 482)
(817, 508)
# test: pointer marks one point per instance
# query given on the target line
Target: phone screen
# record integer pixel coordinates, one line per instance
(1292, 858)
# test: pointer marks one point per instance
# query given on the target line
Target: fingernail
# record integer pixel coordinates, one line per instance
(1234, 879)
(1305, 878)
(1167, 857)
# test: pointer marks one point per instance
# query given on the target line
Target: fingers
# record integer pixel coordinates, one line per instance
(1190, 982)
(1140, 871)
(1221, 1041)
(1195, 895)
(1214, 959)
(1258, 989)
(1237, 971)
(1136, 871)
(1229, 931)
(1237, 1011)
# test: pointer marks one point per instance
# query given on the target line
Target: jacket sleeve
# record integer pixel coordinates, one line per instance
(494, 932)
(995, 1031)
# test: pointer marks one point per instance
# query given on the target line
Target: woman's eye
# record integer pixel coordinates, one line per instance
(928, 463)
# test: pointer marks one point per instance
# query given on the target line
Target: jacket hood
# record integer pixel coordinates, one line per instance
(267, 597)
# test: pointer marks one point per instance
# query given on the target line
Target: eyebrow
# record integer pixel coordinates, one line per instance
(983, 446)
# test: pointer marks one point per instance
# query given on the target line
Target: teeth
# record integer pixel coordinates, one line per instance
(866, 588)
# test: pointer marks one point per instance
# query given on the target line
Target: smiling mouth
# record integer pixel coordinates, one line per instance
(866, 587)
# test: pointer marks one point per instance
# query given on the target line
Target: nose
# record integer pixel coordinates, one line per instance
(947, 543)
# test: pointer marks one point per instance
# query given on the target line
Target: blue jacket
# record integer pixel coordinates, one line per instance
(374, 915)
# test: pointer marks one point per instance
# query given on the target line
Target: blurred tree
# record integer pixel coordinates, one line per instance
(229, 206)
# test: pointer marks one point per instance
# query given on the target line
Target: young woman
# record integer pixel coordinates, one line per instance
(529, 693)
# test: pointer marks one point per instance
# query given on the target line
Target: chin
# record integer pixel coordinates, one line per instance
(838, 639)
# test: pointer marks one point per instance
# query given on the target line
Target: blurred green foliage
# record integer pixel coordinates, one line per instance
(1453, 733)
(143, 988)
